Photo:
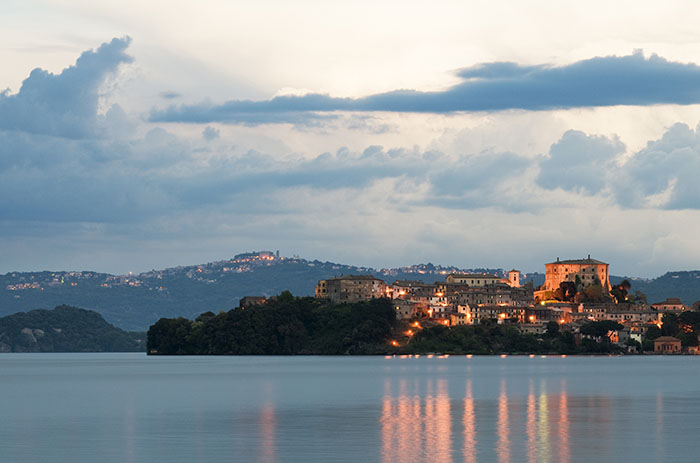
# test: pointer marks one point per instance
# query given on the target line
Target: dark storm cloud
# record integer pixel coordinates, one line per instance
(600, 81)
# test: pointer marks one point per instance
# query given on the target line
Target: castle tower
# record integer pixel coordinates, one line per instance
(514, 278)
(587, 270)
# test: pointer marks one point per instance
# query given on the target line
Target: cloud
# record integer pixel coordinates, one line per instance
(664, 174)
(210, 133)
(600, 81)
(116, 180)
(64, 104)
(169, 95)
(579, 162)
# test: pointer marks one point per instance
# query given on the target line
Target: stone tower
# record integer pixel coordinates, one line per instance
(514, 278)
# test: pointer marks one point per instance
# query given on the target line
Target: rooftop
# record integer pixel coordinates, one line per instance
(355, 277)
(411, 283)
(587, 261)
(473, 275)
(669, 301)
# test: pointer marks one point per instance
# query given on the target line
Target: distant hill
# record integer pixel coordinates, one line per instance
(684, 285)
(134, 302)
(65, 329)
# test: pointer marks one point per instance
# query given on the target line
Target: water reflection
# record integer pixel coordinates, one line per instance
(421, 422)
(543, 453)
(357, 409)
(531, 424)
(563, 438)
(414, 425)
(660, 426)
(503, 449)
(469, 452)
(268, 424)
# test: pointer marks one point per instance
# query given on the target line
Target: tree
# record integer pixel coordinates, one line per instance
(639, 298)
(593, 292)
(206, 316)
(552, 329)
(669, 326)
(285, 296)
(601, 328)
(620, 292)
(652, 333)
(690, 319)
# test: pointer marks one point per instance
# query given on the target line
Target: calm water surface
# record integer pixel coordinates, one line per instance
(133, 408)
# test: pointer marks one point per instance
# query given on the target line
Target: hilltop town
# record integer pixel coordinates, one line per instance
(575, 293)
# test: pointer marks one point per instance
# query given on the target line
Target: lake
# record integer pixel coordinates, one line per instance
(133, 408)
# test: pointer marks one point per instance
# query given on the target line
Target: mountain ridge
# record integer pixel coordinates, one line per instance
(134, 302)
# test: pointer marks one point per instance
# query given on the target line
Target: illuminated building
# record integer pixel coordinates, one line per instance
(406, 309)
(586, 271)
(667, 345)
(473, 279)
(671, 304)
(514, 278)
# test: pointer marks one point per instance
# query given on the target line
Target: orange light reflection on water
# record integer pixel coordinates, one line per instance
(503, 446)
(417, 423)
(413, 428)
(469, 452)
(531, 424)
(563, 437)
(268, 425)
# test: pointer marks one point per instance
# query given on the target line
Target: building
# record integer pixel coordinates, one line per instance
(671, 304)
(458, 319)
(473, 279)
(545, 314)
(586, 271)
(514, 278)
(477, 314)
(495, 294)
(621, 313)
(321, 291)
(250, 301)
(412, 289)
(667, 345)
(405, 309)
(351, 288)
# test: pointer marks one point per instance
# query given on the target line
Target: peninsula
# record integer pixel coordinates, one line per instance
(576, 310)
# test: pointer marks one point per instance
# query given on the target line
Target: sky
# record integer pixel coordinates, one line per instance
(143, 135)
